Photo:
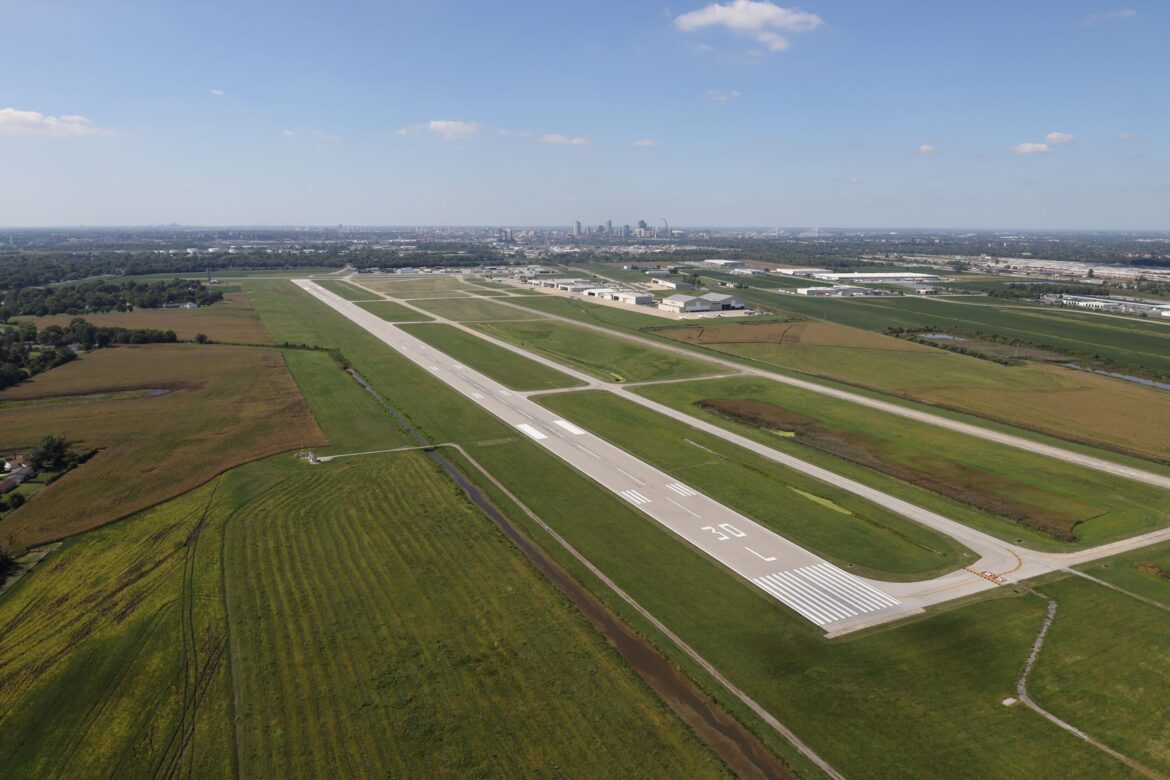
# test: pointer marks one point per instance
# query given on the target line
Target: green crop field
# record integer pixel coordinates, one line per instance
(296, 621)
(606, 357)
(1015, 494)
(903, 688)
(473, 310)
(393, 312)
(837, 525)
(509, 369)
(345, 290)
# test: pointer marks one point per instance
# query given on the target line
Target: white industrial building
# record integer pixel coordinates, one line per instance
(876, 277)
(673, 284)
(723, 265)
(802, 271)
(838, 291)
(1116, 305)
(708, 302)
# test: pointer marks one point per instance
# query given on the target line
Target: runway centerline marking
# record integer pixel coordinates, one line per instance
(588, 451)
(683, 508)
(631, 476)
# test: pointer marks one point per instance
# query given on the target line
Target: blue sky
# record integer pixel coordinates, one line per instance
(1039, 114)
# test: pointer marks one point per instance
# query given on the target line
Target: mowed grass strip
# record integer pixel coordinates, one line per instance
(393, 312)
(351, 419)
(382, 627)
(230, 320)
(903, 688)
(837, 525)
(345, 289)
(606, 357)
(473, 310)
(508, 368)
(209, 408)
(1104, 668)
(1018, 495)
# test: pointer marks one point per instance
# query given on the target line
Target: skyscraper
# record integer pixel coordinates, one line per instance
(577, 229)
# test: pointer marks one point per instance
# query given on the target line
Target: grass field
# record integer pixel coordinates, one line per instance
(207, 408)
(1057, 401)
(880, 704)
(345, 290)
(1105, 667)
(295, 621)
(606, 357)
(393, 312)
(509, 369)
(409, 287)
(1126, 340)
(473, 309)
(1014, 492)
(835, 524)
(231, 320)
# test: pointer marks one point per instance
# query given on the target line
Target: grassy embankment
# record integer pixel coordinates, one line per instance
(919, 698)
(509, 369)
(1011, 493)
(851, 532)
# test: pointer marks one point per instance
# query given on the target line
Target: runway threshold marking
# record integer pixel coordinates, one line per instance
(825, 594)
(528, 429)
(568, 426)
(682, 489)
(634, 497)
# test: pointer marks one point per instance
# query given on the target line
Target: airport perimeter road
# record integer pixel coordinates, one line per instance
(815, 589)
(1048, 450)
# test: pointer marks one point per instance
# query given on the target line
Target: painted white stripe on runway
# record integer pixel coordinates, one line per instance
(477, 396)
(680, 506)
(568, 426)
(589, 452)
(793, 597)
(682, 489)
(818, 595)
(783, 599)
(531, 431)
(844, 589)
(634, 497)
(631, 476)
(864, 587)
(504, 392)
(435, 369)
(764, 558)
(797, 601)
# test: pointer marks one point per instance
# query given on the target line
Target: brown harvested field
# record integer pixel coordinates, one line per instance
(202, 410)
(1025, 504)
(232, 320)
(1050, 399)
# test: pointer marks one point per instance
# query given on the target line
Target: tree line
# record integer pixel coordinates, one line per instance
(101, 296)
(26, 351)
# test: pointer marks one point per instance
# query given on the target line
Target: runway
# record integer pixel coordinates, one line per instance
(818, 591)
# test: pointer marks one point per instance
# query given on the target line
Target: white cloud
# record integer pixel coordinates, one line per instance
(1130, 138)
(564, 140)
(16, 122)
(289, 133)
(720, 97)
(1059, 138)
(760, 20)
(927, 149)
(1108, 16)
(646, 143)
(1030, 148)
(216, 92)
(447, 129)
(515, 133)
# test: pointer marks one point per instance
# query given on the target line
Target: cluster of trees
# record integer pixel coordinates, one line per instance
(103, 296)
(1025, 290)
(25, 351)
